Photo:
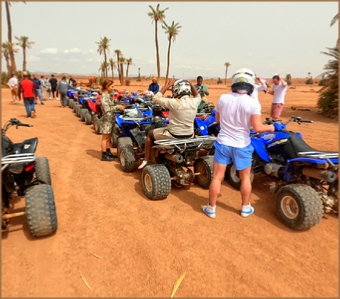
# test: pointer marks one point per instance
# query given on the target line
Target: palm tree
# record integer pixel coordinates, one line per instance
(128, 63)
(113, 65)
(5, 52)
(157, 15)
(118, 53)
(9, 28)
(103, 47)
(103, 68)
(336, 17)
(122, 61)
(24, 43)
(328, 100)
(227, 64)
(172, 31)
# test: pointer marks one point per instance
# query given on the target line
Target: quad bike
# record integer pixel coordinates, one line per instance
(305, 180)
(24, 174)
(96, 112)
(129, 135)
(136, 117)
(173, 160)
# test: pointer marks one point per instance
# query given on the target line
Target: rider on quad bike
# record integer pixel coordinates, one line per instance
(182, 112)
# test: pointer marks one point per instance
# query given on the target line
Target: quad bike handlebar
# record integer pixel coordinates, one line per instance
(297, 119)
(13, 122)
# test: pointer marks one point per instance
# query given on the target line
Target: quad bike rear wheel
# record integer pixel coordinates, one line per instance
(96, 122)
(204, 166)
(79, 110)
(299, 206)
(42, 170)
(156, 181)
(232, 177)
(126, 154)
(40, 210)
(88, 118)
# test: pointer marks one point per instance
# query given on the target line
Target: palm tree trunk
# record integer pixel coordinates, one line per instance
(112, 74)
(105, 64)
(226, 74)
(24, 59)
(9, 26)
(122, 73)
(168, 63)
(127, 71)
(157, 52)
(8, 65)
(225, 77)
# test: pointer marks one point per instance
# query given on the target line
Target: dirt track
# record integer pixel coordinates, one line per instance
(144, 246)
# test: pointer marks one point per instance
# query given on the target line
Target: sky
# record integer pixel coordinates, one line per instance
(266, 37)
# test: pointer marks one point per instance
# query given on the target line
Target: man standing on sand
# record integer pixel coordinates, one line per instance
(203, 91)
(279, 91)
(27, 88)
(236, 112)
(53, 82)
(13, 85)
(37, 84)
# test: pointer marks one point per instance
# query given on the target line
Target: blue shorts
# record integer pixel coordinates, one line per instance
(241, 157)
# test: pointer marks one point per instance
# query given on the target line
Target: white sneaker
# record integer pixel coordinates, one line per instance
(247, 212)
(57, 99)
(143, 164)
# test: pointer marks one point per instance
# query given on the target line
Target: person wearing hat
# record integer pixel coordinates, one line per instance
(154, 86)
(27, 89)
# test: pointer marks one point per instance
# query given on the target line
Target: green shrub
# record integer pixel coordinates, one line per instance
(309, 81)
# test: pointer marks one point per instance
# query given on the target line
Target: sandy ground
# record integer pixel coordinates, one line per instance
(144, 246)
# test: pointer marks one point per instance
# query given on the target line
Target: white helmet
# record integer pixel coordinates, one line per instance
(243, 79)
(180, 88)
(148, 93)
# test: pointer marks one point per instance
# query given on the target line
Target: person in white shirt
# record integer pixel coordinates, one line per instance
(260, 85)
(279, 91)
(236, 112)
(13, 85)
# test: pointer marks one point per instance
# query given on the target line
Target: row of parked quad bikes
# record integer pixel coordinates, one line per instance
(304, 180)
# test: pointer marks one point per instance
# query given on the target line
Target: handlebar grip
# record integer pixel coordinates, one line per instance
(306, 121)
(24, 125)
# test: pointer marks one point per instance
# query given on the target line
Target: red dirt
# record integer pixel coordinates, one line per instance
(144, 246)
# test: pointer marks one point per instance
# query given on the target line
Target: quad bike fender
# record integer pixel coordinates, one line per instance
(202, 126)
(259, 147)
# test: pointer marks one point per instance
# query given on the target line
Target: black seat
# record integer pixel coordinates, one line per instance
(297, 145)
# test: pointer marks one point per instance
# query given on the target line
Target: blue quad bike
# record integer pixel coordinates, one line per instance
(23, 174)
(305, 180)
(139, 114)
(130, 131)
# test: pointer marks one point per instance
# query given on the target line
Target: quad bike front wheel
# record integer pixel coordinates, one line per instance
(70, 103)
(82, 113)
(126, 154)
(232, 177)
(40, 210)
(204, 166)
(299, 206)
(156, 181)
(115, 135)
(88, 118)
(42, 170)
